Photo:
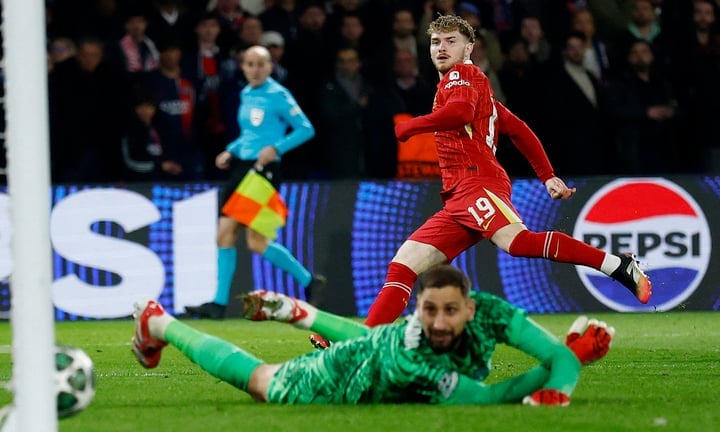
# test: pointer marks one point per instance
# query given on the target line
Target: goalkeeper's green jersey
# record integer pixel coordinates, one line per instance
(394, 363)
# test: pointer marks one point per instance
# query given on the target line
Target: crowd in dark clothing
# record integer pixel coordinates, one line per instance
(149, 90)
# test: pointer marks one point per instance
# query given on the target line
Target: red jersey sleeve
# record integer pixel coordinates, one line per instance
(452, 116)
(455, 105)
(525, 140)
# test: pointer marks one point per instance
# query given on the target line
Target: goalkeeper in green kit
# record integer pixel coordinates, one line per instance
(440, 354)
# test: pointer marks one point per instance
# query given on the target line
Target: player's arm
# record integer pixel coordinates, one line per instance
(302, 129)
(525, 140)
(564, 367)
(468, 391)
(454, 115)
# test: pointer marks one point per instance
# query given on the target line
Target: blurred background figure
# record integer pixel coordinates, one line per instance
(60, 49)
(168, 21)
(532, 33)
(88, 107)
(142, 150)
(343, 103)
(572, 126)
(595, 57)
(175, 98)
(479, 57)
(275, 43)
(643, 109)
(204, 65)
(138, 52)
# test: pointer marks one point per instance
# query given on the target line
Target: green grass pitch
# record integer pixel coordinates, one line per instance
(662, 374)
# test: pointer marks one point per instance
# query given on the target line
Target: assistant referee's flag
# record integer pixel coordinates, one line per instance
(256, 204)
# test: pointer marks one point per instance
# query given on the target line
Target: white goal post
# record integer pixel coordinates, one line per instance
(27, 140)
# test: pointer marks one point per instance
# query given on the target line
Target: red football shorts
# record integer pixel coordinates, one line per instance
(474, 209)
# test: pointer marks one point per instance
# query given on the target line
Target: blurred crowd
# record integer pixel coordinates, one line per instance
(149, 90)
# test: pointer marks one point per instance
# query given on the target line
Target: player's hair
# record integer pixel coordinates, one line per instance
(451, 23)
(444, 275)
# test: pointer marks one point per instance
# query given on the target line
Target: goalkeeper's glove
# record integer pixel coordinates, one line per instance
(589, 339)
(547, 397)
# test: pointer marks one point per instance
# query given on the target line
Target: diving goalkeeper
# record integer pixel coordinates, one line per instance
(440, 354)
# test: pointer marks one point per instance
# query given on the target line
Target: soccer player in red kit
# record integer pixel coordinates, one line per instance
(475, 187)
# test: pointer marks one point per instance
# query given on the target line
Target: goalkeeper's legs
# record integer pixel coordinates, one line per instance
(267, 305)
(155, 329)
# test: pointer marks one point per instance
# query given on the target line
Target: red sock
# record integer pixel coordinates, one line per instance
(394, 296)
(555, 246)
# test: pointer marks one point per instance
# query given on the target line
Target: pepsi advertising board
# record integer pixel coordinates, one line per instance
(113, 245)
(665, 227)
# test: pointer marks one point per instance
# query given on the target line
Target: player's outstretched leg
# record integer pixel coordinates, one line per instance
(560, 247)
(147, 347)
(634, 279)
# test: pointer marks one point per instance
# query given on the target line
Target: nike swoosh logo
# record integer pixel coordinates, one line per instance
(487, 223)
(557, 250)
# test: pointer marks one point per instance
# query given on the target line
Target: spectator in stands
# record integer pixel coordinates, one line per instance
(142, 150)
(351, 34)
(230, 88)
(520, 81)
(595, 57)
(643, 109)
(573, 99)
(407, 95)
(479, 57)
(402, 33)
(471, 13)
(611, 18)
(203, 66)
(231, 18)
(251, 31)
(338, 9)
(532, 33)
(282, 18)
(503, 16)
(696, 70)
(343, 102)
(519, 78)
(169, 21)
(643, 24)
(309, 63)
(138, 52)
(175, 98)
(87, 108)
(275, 43)
(61, 49)
(254, 7)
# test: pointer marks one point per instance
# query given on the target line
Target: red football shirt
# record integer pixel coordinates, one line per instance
(466, 121)
(468, 150)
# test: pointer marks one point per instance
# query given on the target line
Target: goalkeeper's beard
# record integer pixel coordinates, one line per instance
(442, 341)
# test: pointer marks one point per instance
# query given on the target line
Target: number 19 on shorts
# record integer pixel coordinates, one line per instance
(483, 212)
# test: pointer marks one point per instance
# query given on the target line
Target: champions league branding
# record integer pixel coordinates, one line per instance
(658, 221)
